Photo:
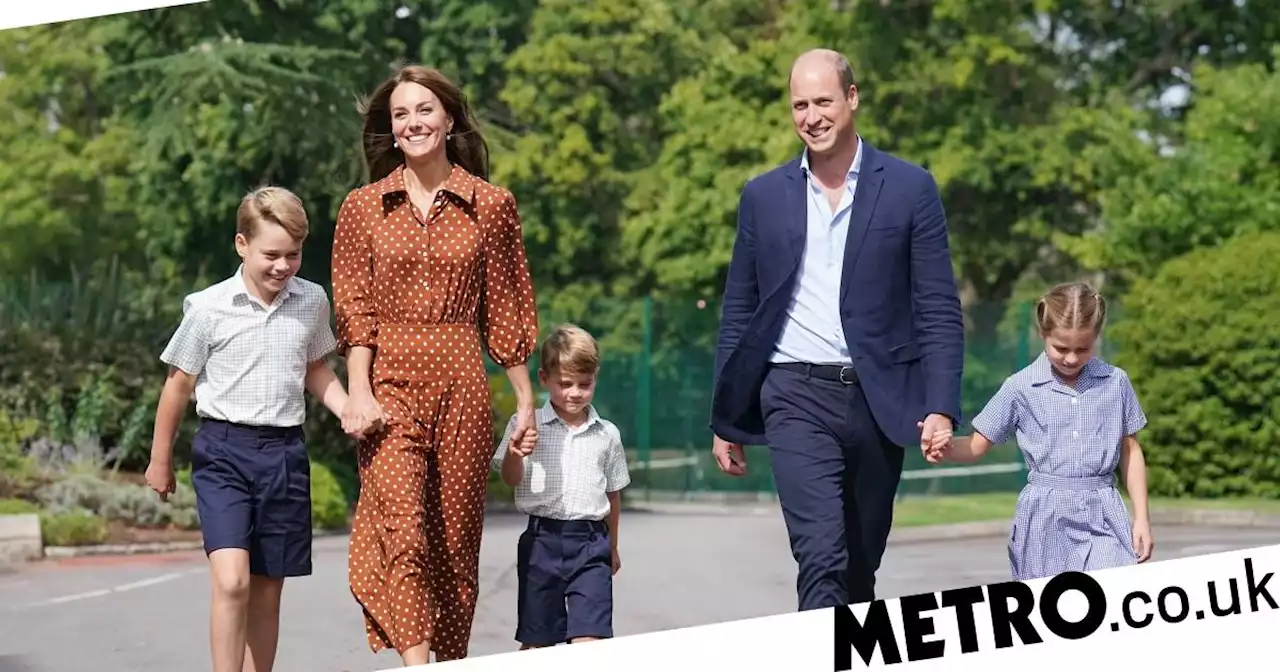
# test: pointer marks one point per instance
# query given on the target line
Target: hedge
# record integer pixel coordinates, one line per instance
(1200, 342)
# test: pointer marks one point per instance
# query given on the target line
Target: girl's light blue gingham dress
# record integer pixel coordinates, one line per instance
(1070, 515)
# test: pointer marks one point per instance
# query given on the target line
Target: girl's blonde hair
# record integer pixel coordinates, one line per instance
(1073, 305)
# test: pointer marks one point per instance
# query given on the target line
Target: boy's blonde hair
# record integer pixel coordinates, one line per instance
(1073, 305)
(570, 349)
(276, 205)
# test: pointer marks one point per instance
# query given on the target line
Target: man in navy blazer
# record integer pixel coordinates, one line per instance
(842, 339)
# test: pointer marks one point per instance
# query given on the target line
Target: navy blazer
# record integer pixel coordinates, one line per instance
(898, 298)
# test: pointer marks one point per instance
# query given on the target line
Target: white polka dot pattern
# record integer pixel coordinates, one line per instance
(427, 295)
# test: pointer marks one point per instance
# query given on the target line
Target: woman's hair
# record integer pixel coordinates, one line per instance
(276, 205)
(1073, 305)
(466, 146)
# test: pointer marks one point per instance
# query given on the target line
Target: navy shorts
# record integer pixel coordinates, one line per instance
(253, 491)
(565, 574)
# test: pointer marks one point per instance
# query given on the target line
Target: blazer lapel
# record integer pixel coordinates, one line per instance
(870, 179)
(796, 215)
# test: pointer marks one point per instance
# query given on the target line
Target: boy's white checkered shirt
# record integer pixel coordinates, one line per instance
(570, 472)
(250, 359)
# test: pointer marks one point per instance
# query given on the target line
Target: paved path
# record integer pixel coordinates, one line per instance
(148, 614)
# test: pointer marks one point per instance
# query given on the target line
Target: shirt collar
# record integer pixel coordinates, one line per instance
(240, 289)
(547, 415)
(460, 183)
(854, 168)
(1042, 370)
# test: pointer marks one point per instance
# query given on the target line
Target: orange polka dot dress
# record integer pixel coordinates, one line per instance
(428, 295)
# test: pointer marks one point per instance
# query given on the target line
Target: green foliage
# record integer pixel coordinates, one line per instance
(76, 527)
(328, 503)
(10, 507)
(497, 491)
(17, 470)
(625, 128)
(130, 503)
(1222, 179)
(1200, 344)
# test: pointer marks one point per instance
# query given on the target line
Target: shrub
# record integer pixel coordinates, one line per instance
(9, 507)
(498, 491)
(328, 503)
(17, 471)
(130, 503)
(73, 528)
(1199, 343)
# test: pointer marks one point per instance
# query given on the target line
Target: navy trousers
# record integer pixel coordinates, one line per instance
(837, 475)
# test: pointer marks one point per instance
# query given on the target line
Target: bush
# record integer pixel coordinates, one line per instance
(1199, 343)
(328, 503)
(9, 507)
(73, 528)
(131, 503)
(498, 491)
(17, 471)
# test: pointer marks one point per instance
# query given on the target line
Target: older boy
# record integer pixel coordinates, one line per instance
(248, 347)
(568, 483)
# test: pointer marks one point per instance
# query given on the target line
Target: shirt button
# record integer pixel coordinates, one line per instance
(1074, 401)
(1075, 435)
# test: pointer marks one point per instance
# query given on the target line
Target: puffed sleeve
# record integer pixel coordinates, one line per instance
(357, 320)
(509, 312)
(999, 418)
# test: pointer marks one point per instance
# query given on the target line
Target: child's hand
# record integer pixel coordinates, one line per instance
(936, 446)
(617, 561)
(160, 478)
(1143, 543)
(525, 443)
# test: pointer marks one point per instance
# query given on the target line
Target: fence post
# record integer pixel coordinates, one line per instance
(643, 392)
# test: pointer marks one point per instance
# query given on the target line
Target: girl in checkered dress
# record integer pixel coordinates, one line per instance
(1075, 418)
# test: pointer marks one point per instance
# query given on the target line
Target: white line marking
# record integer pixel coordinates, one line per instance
(163, 578)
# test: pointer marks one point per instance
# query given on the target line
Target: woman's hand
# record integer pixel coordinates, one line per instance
(361, 415)
(526, 431)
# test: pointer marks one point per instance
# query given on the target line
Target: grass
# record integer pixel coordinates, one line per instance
(949, 509)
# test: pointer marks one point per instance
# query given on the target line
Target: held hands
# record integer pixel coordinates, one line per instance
(935, 437)
(361, 415)
(525, 436)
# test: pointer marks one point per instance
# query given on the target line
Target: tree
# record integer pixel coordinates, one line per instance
(1223, 180)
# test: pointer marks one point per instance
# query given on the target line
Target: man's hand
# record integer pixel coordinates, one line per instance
(730, 457)
(935, 436)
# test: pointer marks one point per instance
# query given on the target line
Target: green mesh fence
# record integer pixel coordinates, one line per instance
(655, 385)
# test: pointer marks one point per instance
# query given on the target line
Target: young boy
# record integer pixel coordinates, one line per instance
(567, 480)
(247, 347)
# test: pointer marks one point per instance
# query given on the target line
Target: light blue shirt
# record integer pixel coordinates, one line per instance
(812, 332)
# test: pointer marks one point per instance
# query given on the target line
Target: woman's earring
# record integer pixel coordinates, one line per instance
(395, 143)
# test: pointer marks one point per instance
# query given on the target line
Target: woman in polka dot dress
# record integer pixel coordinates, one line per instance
(429, 272)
